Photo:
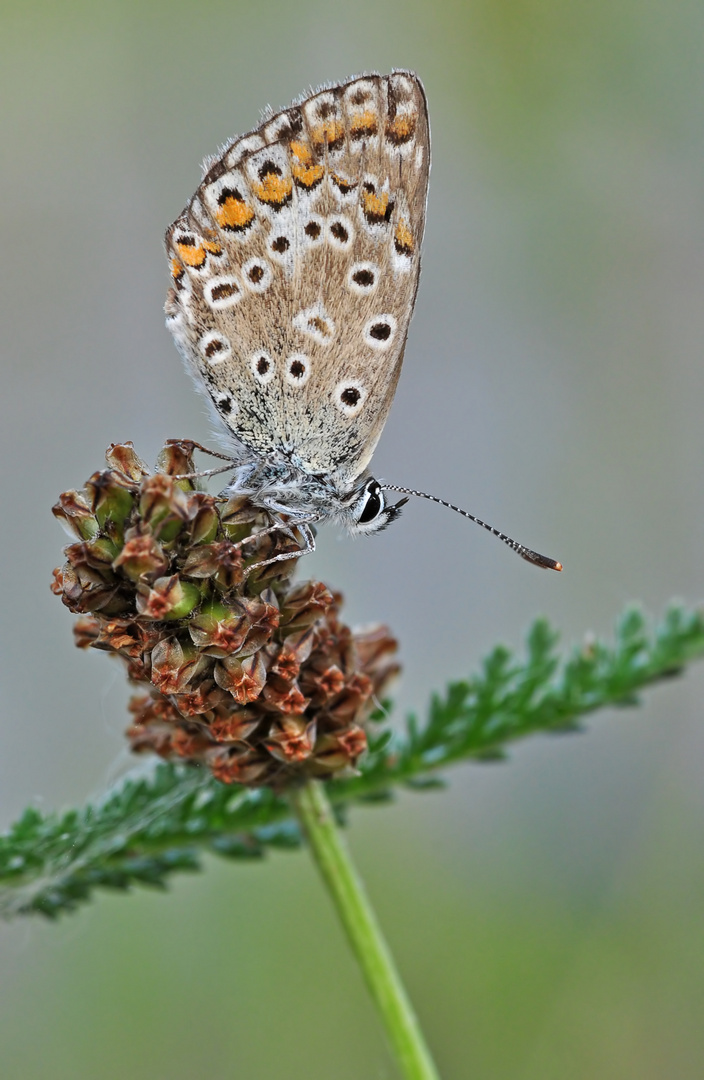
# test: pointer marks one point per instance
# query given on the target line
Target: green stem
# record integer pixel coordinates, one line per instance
(335, 864)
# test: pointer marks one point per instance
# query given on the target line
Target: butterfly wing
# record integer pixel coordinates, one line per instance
(296, 269)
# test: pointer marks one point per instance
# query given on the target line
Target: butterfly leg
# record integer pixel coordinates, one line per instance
(308, 543)
(212, 453)
(206, 472)
(279, 526)
(231, 463)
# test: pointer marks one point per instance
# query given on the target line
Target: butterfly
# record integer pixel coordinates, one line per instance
(295, 270)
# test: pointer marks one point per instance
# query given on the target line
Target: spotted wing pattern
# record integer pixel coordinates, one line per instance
(295, 269)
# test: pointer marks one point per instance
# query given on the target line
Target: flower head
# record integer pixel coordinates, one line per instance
(239, 669)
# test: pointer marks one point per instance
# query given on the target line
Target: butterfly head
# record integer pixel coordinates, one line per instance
(368, 511)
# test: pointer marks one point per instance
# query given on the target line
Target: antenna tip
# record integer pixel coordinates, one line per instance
(543, 561)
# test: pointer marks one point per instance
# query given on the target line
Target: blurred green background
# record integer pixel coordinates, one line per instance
(547, 913)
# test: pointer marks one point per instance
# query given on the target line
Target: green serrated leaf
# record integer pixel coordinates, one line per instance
(152, 826)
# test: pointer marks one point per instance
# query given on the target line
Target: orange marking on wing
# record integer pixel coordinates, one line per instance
(364, 123)
(192, 255)
(343, 183)
(375, 205)
(177, 270)
(402, 128)
(212, 246)
(234, 213)
(304, 171)
(274, 189)
(301, 151)
(331, 131)
(307, 175)
(403, 238)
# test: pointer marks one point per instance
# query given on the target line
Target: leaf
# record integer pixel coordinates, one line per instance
(152, 826)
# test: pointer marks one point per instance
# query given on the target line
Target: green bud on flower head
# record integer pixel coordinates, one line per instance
(237, 517)
(174, 666)
(75, 515)
(176, 459)
(215, 609)
(121, 456)
(219, 637)
(221, 561)
(141, 556)
(91, 561)
(206, 523)
(101, 552)
(159, 499)
(167, 598)
(190, 598)
(112, 497)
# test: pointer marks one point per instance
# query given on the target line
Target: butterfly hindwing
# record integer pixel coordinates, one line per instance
(296, 268)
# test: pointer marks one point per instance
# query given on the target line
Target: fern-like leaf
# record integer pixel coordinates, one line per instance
(153, 825)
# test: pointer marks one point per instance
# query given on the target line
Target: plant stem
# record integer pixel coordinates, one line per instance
(337, 869)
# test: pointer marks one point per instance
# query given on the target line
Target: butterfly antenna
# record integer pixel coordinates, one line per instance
(525, 553)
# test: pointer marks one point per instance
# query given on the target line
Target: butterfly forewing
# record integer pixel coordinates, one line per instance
(296, 268)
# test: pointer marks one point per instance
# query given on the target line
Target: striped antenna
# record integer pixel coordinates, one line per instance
(530, 556)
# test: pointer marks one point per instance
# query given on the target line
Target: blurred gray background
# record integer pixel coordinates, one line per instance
(546, 913)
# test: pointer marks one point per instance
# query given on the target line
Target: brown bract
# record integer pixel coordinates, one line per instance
(239, 669)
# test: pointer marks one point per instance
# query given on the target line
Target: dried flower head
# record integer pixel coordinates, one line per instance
(240, 669)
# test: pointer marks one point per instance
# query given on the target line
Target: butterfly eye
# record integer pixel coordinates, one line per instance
(373, 504)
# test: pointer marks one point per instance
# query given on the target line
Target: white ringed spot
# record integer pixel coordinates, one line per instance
(349, 396)
(256, 274)
(379, 331)
(313, 231)
(279, 246)
(222, 292)
(340, 233)
(215, 348)
(363, 278)
(225, 403)
(297, 369)
(316, 323)
(262, 367)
